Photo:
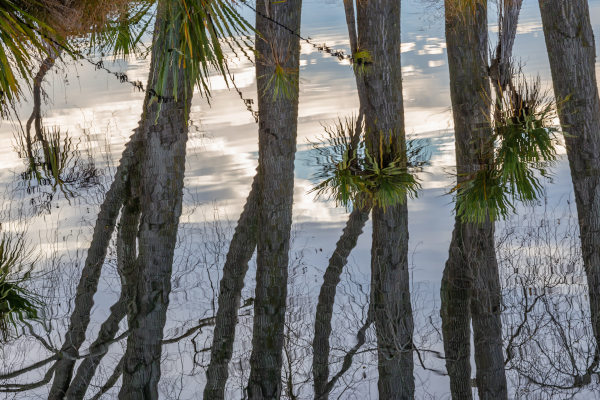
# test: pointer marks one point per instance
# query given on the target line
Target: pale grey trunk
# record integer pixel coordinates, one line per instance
(354, 227)
(379, 34)
(90, 275)
(164, 133)
(127, 266)
(36, 114)
(240, 252)
(278, 123)
(466, 40)
(501, 66)
(457, 283)
(572, 53)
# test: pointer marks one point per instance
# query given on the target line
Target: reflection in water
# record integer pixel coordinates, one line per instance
(158, 307)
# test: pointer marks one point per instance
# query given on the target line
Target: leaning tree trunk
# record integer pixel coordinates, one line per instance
(356, 222)
(128, 270)
(501, 65)
(240, 252)
(278, 123)
(466, 40)
(90, 274)
(572, 53)
(164, 133)
(379, 34)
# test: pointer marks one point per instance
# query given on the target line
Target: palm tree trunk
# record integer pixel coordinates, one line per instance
(457, 283)
(90, 275)
(356, 222)
(466, 40)
(278, 123)
(500, 68)
(36, 115)
(240, 251)
(572, 53)
(127, 266)
(379, 34)
(164, 133)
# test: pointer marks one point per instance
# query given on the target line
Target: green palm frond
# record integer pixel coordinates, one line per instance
(521, 149)
(16, 303)
(20, 43)
(283, 82)
(122, 34)
(388, 184)
(483, 195)
(349, 175)
(192, 31)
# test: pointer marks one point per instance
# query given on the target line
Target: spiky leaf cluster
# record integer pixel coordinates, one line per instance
(17, 304)
(350, 175)
(520, 150)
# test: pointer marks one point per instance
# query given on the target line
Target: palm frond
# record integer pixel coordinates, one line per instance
(16, 303)
(192, 31)
(20, 43)
(349, 175)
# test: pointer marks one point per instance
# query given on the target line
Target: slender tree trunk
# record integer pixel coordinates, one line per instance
(278, 123)
(466, 40)
(164, 133)
(127, 266)
(90, 275)
(240, 252)
(486, 311)
(457, 284)
(356, 222)
(379, 34)
(572, 53)
(36, 115)
(501, 66)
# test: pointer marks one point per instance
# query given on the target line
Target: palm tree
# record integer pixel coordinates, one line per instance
(172, 77)
(377, 65)
(277, 69)
(472, 266)
(240, 251)
(572, 53)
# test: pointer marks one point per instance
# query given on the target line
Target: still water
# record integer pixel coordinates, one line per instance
(546, 342)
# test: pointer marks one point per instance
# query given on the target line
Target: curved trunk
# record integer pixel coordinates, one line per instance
(127, 266)
(90, 275)
(356, 222)
(572, 53)
(278, 124)
(164, 133)
(379, 34)
(36, 114)
(466, 40)
(240, 252)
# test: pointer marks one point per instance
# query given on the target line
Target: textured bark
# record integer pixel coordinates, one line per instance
(90, 275)
(240, 252)
(356, 222)
(457, 283)
(36, 115)
(164, 133)
(466, 40)
(278, 125)
(572, 53)
(127, 266)
(379, 34)
(486, 311)
(500, 68)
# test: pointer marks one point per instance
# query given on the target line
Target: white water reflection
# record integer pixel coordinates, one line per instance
(222, 157)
